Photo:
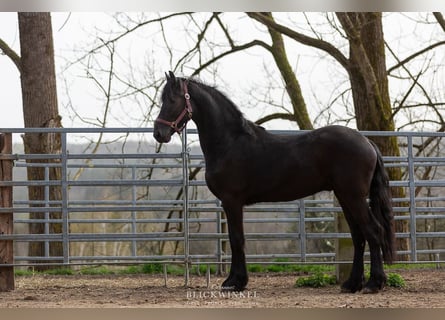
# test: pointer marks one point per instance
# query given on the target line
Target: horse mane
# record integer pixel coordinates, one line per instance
(230, 106)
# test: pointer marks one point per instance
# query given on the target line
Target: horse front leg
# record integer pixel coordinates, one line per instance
(237, 279)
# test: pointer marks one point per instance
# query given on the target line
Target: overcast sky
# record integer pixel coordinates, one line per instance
(240, 72)
(71, 31)
(10, 94)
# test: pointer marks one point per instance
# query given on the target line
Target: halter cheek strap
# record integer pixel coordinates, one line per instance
(187, 111)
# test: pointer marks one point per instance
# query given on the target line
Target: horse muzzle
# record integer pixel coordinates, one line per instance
(162, 134)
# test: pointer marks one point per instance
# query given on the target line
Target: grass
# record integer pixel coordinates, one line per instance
(317, 280)
(320, 279)
(317, 273)
(412, 266)
(283, 265)
(395, 280)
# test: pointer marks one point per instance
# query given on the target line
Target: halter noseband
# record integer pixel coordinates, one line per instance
(187, 111)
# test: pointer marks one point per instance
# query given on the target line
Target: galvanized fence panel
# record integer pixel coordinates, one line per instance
(150, 211)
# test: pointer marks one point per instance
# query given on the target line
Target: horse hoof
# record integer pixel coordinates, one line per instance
(369, 290)
(234, 283)
(350, 287)
(347, 290)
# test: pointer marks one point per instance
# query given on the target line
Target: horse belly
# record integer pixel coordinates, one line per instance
(288, 185)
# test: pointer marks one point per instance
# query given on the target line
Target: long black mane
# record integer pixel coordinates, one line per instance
(219, 97)
(231, 110)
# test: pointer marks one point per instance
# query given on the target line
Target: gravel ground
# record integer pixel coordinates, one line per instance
(424, 289)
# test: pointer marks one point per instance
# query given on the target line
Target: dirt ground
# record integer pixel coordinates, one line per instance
(424, 288)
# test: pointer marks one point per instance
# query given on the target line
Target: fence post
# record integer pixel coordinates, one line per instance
(185, 194)
(412, 200)
(7, 282)
(302, 229)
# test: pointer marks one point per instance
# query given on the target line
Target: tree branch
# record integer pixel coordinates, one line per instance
(440, 19)
(226, 32)
(429, 140)
(128, 31)
(9, 52)
(201, 37)
(196, 48)
(405, 97)
(416, 81)
(351, 29)
(313, 42)
(414, 55)
(275, 116)
(232, 50)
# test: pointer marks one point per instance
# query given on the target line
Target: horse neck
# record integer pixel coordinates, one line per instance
(214, 121)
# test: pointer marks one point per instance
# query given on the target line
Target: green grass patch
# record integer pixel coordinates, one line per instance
(395, 280)
(255, 268)
(152, 268)
(283, 265)
(317, 280)
(412, 266)
(100, 270)
(147, 268)
(202, 269)
(175, 270)
(59, 272)
(23, 273)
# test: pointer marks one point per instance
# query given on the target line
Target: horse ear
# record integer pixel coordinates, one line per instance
(167, 77)
(171, 76)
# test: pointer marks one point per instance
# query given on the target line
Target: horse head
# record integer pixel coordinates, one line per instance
(176, 109)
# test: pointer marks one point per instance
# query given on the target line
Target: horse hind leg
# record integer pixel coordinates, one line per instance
(356, 279)
(377, 279)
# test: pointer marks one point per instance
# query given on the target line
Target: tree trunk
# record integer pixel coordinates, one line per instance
(370, 93)
(40, 110)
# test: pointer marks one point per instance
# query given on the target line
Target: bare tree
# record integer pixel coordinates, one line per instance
(40, 110)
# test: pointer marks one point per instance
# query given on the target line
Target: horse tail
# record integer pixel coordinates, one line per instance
(381, 208)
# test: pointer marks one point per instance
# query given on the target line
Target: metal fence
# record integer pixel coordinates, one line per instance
(122, 205)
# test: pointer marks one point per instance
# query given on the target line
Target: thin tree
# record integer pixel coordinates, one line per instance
(38, 82)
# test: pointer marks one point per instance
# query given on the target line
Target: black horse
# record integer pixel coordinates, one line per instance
(245, 164)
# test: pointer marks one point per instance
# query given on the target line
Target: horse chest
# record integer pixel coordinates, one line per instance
(225, 177)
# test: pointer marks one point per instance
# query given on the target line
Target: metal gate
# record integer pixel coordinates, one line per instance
(128, 205)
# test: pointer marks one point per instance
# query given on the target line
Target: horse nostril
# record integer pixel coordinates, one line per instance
(161, 137)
